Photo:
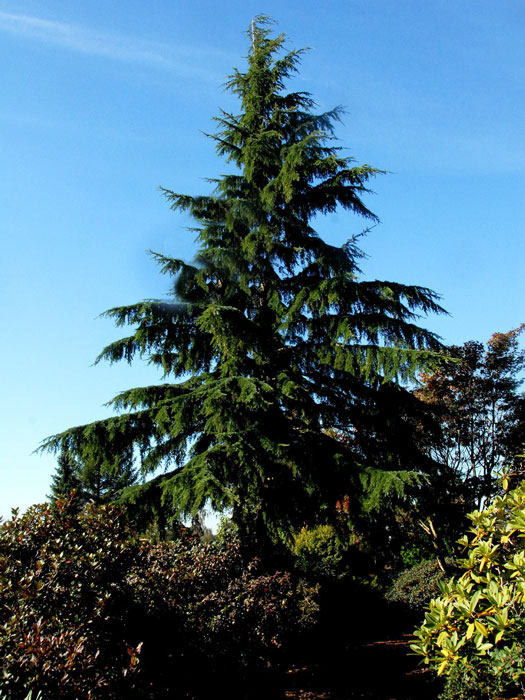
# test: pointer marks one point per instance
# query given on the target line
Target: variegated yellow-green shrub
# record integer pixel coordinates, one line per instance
(477, 625)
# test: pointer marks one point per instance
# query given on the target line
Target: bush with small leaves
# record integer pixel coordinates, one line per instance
(64, 623)
(229, 616)
(319, 551)
(415, 587)
(88, 610)
(476, 627)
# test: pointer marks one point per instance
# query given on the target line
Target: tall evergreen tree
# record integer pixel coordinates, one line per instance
(287, 371)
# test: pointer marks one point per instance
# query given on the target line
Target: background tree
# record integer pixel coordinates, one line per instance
(65, 480)
(273, 346)
(480, 410)
(89, 482)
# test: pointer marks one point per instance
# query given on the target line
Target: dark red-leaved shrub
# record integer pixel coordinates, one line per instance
(91, 611)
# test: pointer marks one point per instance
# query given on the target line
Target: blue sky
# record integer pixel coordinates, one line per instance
(100, 103)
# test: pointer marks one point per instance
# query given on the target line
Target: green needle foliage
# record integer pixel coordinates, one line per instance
(88, 482)
(283, 371)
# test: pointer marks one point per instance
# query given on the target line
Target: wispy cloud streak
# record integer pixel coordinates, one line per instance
(186, 62)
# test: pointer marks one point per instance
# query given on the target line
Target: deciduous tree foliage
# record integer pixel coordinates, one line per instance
(480, 410)
(272, 348)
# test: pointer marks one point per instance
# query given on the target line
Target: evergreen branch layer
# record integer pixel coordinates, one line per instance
(286, 369)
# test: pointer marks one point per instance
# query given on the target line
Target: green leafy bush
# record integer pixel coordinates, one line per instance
(476, 627)
(319, 551)
(89, 611)
(416, 587)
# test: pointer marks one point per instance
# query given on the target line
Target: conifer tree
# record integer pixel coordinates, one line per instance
(284, 372)
(65, 480)
(89, 482)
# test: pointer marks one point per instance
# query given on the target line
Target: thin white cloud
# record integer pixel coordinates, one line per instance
(186, 62)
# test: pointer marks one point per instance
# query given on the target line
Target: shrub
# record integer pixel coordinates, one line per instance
(416, 587)
(466, 684)
(476, 627)
(90, 611)
(229, 617)
(65, 602)
(319, 551)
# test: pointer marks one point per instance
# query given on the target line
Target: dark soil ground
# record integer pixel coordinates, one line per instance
(359, 651)
(378, 670)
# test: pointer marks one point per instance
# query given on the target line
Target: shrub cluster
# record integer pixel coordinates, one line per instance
(475, 629)
(416, 587)
(89, 610)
